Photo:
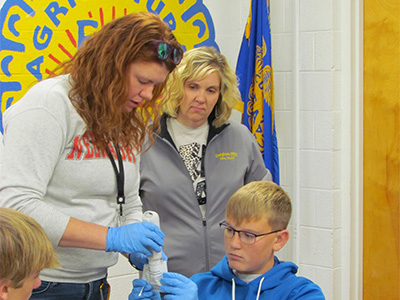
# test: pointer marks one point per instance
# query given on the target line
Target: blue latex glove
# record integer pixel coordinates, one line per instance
(135, 237)
(145, 290)
(139, 260)
(178, 287)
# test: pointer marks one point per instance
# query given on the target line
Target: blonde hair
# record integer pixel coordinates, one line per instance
(260, 199)
(197, 64)
(100, 80)
(24, 247)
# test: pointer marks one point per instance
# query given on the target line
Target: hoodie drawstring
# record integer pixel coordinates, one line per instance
(258, 292)
(259, 288)
(233, 288)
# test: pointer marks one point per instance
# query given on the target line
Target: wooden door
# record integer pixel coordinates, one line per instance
(381, 250)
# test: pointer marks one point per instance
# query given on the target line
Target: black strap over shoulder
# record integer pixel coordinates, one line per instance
(119, 174)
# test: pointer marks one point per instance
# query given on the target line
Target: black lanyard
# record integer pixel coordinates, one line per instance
(119, 175)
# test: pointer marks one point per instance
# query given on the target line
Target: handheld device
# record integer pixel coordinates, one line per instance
(152, 272)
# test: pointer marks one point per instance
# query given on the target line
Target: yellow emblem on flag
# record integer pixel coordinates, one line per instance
(261, 88)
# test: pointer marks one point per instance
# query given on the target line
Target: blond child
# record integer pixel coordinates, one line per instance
(24, 251)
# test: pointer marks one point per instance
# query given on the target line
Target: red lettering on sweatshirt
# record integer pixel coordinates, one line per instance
(127, 154)
(83, 148)
(76, 151)
(86, 142)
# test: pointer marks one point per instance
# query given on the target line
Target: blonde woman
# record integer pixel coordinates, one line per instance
(199, 159)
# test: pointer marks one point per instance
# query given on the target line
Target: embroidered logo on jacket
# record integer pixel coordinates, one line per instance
(226, 155)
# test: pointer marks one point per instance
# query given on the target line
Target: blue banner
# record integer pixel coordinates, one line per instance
(254, 72)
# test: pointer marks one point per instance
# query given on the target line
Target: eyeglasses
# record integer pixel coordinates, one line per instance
(245, 237)
(165, 50)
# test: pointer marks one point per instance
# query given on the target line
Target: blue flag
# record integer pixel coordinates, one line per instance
(256, 85)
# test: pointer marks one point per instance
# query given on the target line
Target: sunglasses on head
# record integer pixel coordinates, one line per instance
(165, 50)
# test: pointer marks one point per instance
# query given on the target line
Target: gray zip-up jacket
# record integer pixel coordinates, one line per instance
(232, 159)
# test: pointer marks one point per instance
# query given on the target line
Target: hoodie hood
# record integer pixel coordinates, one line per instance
(280, 282)
(275, 275)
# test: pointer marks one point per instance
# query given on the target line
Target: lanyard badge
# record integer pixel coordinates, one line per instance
(120, 176)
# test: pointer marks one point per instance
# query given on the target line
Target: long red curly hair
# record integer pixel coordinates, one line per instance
(100, 84)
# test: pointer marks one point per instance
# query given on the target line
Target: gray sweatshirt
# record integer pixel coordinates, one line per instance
(51, 171)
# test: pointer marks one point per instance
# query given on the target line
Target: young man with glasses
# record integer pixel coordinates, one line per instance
(255, 227)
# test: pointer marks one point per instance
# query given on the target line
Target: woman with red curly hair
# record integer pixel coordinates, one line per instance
(72, 143)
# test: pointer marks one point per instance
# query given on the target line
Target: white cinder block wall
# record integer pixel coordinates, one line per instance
(310, 42)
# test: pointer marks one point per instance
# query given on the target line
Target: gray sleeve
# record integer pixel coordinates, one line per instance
(257, 170)
(33, 141)
(268, 176)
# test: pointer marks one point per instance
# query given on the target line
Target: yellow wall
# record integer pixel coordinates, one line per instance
(381, 149)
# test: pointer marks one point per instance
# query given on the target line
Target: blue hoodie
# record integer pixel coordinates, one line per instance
(278, 283)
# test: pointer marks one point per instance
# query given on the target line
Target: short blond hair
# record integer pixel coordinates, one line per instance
(24, 247)
(258, 199)
(197, 64)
